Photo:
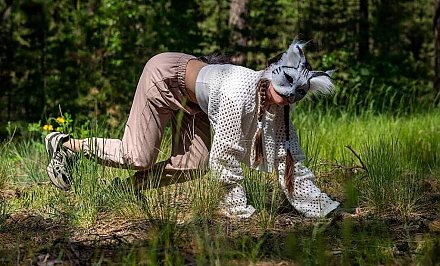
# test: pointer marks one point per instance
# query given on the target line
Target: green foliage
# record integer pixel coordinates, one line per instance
(30, 156)
(399, 152)
(62, 124)
(182, 220)
(86, 56)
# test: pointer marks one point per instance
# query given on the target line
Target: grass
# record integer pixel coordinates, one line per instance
(265, 195)
(399, 153)
(392, 168)
(393, 185)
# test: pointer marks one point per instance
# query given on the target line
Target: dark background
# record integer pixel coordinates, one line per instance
(85, 57)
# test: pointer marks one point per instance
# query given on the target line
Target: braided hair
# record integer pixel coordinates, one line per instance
(290, 162)
(262, 86)
(289, 172)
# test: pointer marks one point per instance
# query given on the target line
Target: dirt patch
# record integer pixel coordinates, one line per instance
(31, 238)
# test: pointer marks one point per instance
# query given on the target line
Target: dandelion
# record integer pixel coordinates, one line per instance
(61, 120)
(48, 128)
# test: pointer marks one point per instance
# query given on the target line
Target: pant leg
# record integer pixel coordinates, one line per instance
(191, 142)
(160, 95)
(143, 133)
(150, 111)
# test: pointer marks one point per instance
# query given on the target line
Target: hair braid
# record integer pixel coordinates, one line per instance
(262, 86)
(289, 173)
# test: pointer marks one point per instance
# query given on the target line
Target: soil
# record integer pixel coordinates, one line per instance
(28, 238)
(31, 239)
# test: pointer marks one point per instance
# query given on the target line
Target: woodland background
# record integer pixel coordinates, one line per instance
(72, 66)
(85, 57)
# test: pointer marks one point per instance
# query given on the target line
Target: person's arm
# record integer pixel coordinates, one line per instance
(305, 196)
(227, 152)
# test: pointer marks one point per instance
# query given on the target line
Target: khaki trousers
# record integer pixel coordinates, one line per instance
(161, 96)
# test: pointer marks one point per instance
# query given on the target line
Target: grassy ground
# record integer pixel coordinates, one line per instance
(388, 166)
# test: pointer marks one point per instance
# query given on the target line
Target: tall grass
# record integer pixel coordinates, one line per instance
(94, 190)
(399, 153)
(397, 150)
(389, 183)
(205, 192)
(4, 176)
(31, 156)
(375, 98)
(5, 164)
(264, 194)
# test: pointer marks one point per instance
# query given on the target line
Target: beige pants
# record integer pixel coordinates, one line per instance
(160, 96)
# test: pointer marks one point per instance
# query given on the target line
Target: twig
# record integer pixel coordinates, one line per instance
(61, 112)
(10, 139)
(337, 167)
(357, 156)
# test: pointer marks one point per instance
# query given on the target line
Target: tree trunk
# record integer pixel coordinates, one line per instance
(237, 22)
(364, 35)
(437, 46)
(8, 15)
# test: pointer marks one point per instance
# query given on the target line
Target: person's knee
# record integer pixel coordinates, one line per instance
(140, 162)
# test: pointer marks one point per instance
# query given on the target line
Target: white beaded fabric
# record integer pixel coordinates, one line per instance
(232, 109)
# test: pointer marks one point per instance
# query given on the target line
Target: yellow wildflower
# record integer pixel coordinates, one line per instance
(48, 128)
(60, 120)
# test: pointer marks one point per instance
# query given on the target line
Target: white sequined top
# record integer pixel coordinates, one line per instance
(232, 111)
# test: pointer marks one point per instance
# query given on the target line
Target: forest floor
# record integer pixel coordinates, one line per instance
(386, 166)
(29, 238)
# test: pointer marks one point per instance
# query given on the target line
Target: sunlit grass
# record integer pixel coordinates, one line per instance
(264, 193)
(389, 184)
(329, 134)
(397, 153)
(5, 166)
(399, 150)
(205, 197)
(30, 157)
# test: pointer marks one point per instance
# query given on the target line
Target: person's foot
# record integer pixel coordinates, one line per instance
(59, 168)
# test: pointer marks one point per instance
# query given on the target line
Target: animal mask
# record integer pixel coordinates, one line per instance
(292, 77)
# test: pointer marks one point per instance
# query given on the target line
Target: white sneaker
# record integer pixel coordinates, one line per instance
(59, 168)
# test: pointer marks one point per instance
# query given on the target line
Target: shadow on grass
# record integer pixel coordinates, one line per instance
(33, 239)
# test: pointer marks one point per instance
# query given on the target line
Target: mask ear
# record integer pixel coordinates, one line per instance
(293, 55)
(321, 83)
